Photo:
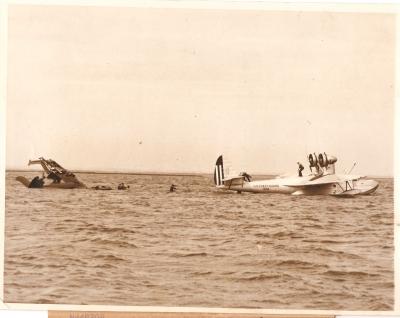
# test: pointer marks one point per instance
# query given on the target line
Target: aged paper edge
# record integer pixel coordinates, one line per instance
(228, 5)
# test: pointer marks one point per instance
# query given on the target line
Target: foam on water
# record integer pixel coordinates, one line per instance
(197, 247)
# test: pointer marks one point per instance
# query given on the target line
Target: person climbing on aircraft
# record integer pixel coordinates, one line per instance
(301, 168)
(246, 176)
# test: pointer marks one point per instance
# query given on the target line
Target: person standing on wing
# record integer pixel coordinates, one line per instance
(301, 168)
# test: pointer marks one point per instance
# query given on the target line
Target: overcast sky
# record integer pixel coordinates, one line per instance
(168, 90)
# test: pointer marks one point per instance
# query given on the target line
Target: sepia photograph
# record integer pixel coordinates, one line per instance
(209, 156)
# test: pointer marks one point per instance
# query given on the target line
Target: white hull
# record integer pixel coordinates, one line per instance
(321, 182)
(351, 188)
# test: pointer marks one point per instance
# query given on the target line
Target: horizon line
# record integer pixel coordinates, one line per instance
(167, 173)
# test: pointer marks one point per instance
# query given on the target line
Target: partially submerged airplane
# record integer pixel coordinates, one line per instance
(59, 176)
(322, 181)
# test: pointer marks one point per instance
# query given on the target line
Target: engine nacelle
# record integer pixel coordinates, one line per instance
(312, 159)
(322, 161)
(325, 161)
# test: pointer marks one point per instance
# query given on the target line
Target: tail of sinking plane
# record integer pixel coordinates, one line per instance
(219, 172)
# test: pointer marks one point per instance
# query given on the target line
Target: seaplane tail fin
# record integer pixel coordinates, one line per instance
(219, 172)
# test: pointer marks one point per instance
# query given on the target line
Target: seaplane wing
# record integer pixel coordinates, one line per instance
(322, 180)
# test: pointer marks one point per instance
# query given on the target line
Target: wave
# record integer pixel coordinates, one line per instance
(357, 274)
(262, 277)
(299, 263)
(44, 301)
(189, 254)
(202, 273)
(114, 243)
(328, 251)
(104, 229)
(333, 242)
(109, 257)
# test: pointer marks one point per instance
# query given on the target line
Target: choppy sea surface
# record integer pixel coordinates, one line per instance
(197, 247)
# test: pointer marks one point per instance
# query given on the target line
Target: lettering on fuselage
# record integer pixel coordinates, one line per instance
(265, 186)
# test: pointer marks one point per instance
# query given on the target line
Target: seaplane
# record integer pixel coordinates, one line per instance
(322, 180)
(57, 176)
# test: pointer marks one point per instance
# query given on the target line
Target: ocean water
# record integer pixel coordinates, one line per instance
(197, 247)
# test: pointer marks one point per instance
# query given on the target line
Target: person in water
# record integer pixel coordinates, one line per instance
(123, 186)
(172, 188)
(301, 168)
(36, 182)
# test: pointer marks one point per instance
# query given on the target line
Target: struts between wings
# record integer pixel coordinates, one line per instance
(322, 180)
